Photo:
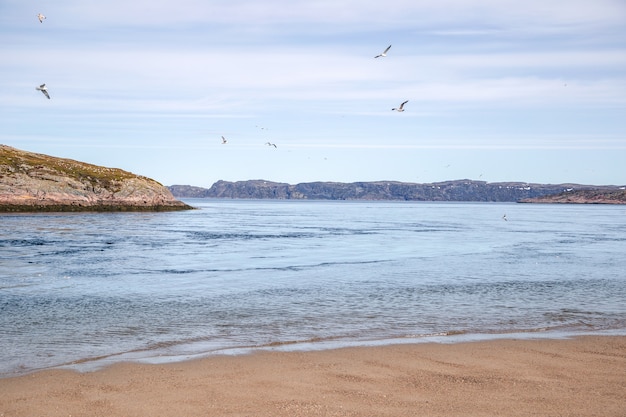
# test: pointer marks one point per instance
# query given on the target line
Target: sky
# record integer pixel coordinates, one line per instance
(497, 90)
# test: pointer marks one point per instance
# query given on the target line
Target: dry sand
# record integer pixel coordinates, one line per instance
(578, 377)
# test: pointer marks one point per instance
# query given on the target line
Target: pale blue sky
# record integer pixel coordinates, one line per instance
(498, 90)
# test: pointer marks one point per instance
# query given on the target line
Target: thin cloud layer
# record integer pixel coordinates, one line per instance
(142, 73)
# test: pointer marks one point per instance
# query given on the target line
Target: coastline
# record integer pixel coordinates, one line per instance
(76, 207)
(506, 377)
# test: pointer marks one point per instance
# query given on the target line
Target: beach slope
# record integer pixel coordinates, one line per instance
(575, 377)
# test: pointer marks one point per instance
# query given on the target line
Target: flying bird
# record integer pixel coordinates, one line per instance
(384, 52)
(41, 17)
(224, 140)
(401, 108)
(271, 144)
(44, 90)
(504, 218)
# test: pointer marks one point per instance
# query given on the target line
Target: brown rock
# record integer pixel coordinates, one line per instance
(37, 182)
(583, 197)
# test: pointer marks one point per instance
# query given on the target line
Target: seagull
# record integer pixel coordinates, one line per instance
(504, 218)
(43, 89)
(401, 108)
(41, 17)
(384, 53)
(271, 144)
(224, 140)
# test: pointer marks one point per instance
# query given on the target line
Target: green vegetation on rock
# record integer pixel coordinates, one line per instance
(36, 182)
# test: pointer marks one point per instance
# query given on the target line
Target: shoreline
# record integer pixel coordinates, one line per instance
(82, 207)
(178, 353)
(582, 375)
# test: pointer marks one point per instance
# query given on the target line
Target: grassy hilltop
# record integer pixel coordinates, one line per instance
(36, 182)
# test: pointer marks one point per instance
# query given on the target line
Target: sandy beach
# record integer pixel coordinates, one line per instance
(584, 376)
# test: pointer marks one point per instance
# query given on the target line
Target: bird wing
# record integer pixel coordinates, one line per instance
(45, 93)
(384, 52)
(402, 105)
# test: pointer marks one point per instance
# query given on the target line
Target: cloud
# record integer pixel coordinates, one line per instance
(485, 74)
(125, 78)
(344, 14)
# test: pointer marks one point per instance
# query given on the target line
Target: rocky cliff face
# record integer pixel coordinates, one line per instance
(458, 190)
(36, 182)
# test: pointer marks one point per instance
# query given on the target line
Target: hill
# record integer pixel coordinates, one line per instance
(458, 190)
(37, 182)
(583, 197)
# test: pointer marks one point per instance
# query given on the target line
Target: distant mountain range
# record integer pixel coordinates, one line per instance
(457, 190)
(37, 182)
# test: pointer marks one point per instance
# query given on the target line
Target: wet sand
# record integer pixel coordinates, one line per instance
(584, 376)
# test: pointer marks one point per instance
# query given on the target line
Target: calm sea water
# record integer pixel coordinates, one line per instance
(84, 290)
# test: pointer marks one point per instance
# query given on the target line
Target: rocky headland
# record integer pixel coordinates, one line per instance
(583, 197)
(37, 182)
(457, 190)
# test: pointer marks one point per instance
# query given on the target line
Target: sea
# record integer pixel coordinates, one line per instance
(86, 290)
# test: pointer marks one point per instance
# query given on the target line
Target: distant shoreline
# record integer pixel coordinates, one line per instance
(456, 190)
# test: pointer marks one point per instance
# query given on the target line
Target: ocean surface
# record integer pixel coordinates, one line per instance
(90, 289)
